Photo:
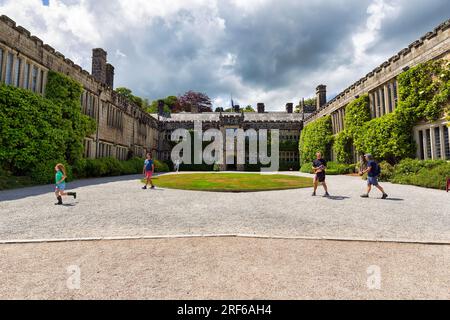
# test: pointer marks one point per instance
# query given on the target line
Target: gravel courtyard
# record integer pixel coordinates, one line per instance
(117, 207)
(224, 268)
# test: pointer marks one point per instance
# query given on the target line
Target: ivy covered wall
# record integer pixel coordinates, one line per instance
(424, 94)
(316, 136)
(37, 130)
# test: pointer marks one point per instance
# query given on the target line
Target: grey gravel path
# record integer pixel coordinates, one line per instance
(116, 207)
(225, 268)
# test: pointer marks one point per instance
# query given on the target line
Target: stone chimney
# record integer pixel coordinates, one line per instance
(160, 107)
(110, 75)
(261, 107)
(99, 65)
(194, 109)
(321, 95)
(289, 107)
(237, 108)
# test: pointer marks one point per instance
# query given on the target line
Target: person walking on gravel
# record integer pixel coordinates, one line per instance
(149, 168)
(373, 171)
(60, 182)
(319, 168)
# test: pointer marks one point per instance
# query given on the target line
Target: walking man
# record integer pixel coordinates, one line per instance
(373, 171)
(319, 167)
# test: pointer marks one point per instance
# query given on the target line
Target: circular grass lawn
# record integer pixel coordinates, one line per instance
(231, 182)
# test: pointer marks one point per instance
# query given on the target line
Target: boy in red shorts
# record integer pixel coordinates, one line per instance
(149, 168)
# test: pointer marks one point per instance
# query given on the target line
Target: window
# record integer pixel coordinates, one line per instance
(437, 142)
(34, 76)
(390, 98)
(421, 151)
(394, 88)
(446, 143)
(383, 103)
(26, 76)
(428, 137)
(87, 148)
(41, 82)
(378, 112)
(9, 67)
(17, 67)
(1, 63)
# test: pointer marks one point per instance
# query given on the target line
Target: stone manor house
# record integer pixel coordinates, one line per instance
(123, 127)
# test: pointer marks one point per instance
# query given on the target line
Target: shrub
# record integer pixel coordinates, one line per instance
(387, 171)
(333, 168)
(428, 174)
(44, 172)
(160, 166)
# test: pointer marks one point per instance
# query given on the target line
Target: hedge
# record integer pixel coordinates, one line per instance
(333, 168)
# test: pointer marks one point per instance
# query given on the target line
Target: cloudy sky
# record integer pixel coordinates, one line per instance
(272, 51)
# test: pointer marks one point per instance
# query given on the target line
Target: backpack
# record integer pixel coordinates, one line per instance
(377, 170)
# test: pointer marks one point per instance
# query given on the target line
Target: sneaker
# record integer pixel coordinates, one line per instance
(144, 188)
(364, 196)
(314, 194)
(326, 195)
(384, 196)
(153, 187)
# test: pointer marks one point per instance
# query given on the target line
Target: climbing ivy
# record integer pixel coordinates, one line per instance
(66, 93)
(356, 114)
(342, 147)
(424, 94)
(38, 131)
(315, 136)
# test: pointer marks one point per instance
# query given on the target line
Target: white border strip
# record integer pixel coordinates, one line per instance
(252, 236)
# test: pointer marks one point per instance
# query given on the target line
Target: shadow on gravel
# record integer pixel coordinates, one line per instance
(338, 198)
(16, 194)
(394, 199)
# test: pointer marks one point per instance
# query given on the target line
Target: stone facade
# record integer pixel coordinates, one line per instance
(122, 127)
(381, 85)
(289, 124)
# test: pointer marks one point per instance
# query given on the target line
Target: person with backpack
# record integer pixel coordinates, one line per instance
(373, 171)
(149, 168)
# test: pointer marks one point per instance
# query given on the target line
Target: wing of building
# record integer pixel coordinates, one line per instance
(381, 85)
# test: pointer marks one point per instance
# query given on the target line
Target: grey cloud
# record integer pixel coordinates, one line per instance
(277, 47)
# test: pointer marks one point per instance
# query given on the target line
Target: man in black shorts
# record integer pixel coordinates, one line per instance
(319, 167)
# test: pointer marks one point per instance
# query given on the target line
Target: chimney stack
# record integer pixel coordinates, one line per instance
(194, 109)
(110, 75)
(261, 107)
(160, 107)
(321, 95)
(102, 71)
(289, 107)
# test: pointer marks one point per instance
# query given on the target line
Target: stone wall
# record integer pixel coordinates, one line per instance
(128, 128)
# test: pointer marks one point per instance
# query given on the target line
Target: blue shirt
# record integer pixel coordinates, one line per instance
(148, 165)
(374, 171)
